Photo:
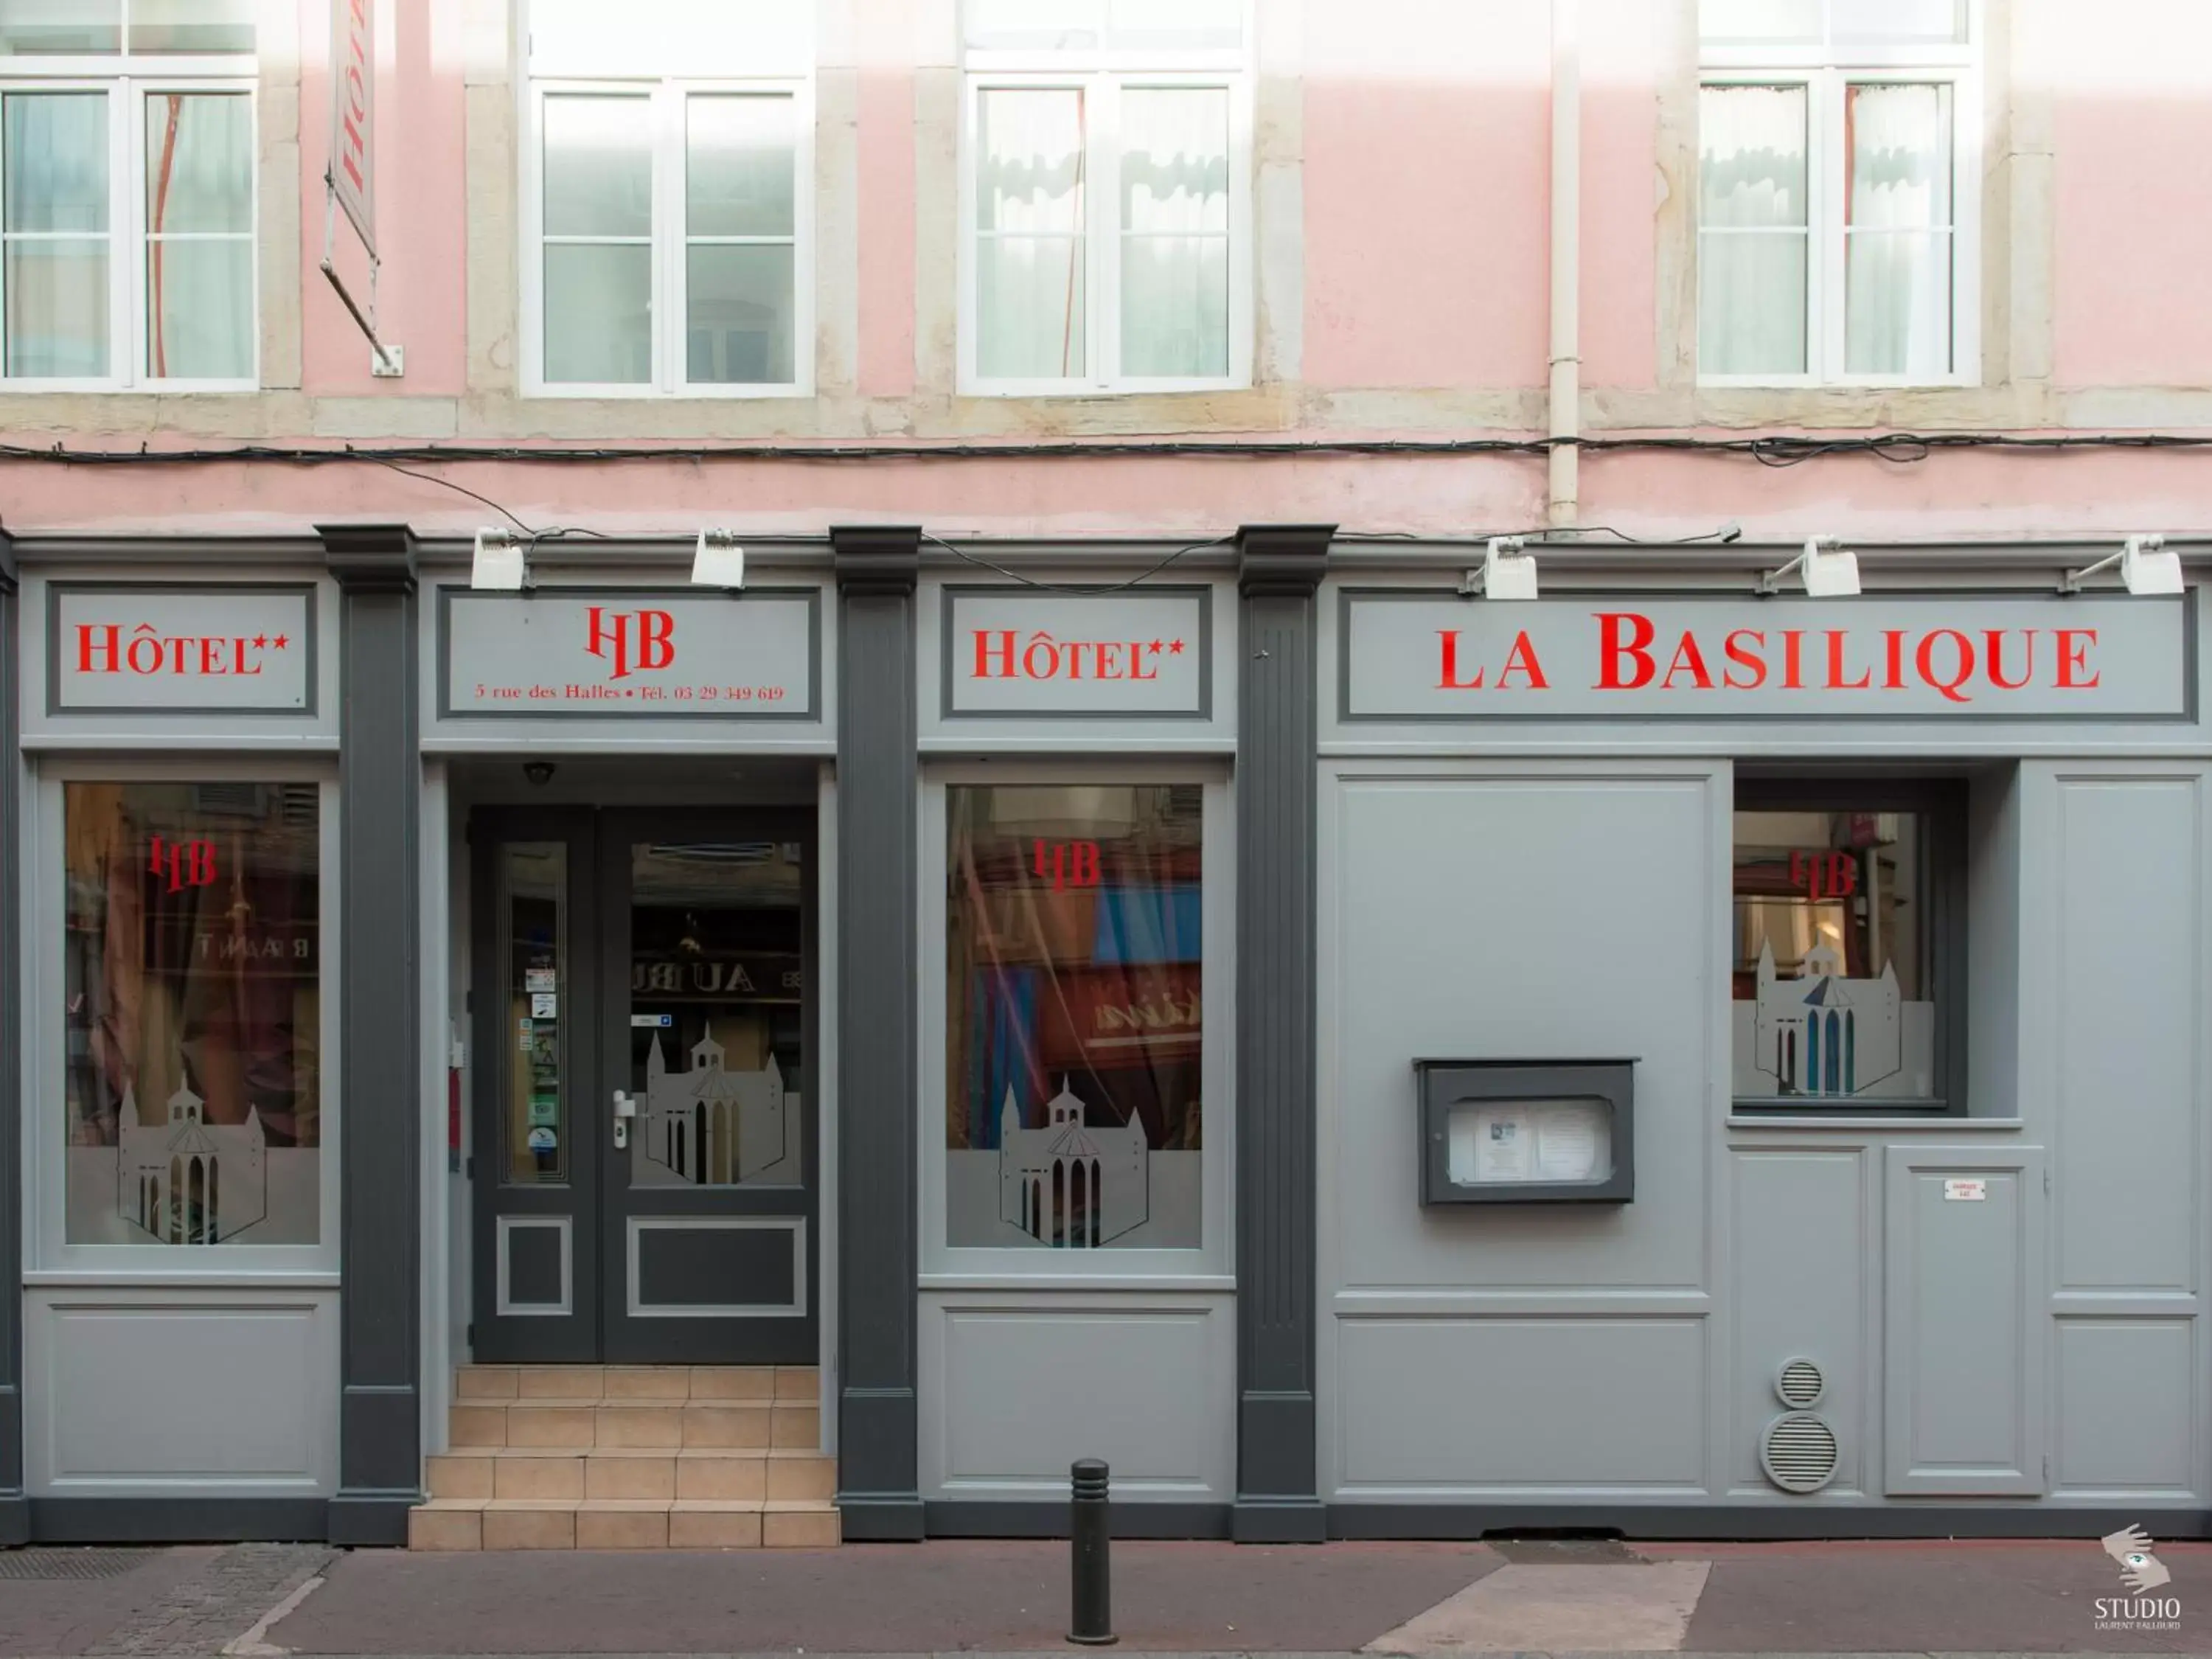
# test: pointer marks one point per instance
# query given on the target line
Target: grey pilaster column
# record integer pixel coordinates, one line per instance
(878, 1079)
(15, 1511)
(1279, 569)
(379, 1058)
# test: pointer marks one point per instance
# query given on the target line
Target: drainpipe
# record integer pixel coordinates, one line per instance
(1563, 506)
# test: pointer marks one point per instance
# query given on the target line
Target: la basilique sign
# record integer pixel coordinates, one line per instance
(1415, 654)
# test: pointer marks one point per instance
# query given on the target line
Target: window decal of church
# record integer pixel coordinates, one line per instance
(711, 1127)
(1821, 1033)
(186, 1181)
(1069, 1186)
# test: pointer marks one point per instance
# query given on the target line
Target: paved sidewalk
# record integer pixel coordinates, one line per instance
(1004, 1598)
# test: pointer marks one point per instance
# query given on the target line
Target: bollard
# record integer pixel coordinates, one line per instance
(1090, 1594)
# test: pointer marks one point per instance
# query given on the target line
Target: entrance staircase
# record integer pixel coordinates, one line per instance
(630, 1457)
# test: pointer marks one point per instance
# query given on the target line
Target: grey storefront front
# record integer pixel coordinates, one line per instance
(1367, 1061)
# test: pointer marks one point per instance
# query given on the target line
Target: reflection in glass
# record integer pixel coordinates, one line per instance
(1073, 1016)
(192, 992)
(717, 1054)
(49, 27)
(738, 321)
(737, 164)
(533, 948)
(599, 313)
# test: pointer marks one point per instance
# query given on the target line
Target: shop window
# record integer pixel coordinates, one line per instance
(1073, 996)
(668, 199)
(127, 195)
(1106, 191)
(192, 999)
(1836, 195)
(1849, 932)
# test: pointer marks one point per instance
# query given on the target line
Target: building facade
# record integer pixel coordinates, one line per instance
(1428, 767)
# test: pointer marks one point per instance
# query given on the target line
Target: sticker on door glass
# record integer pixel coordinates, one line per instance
(543, 1004)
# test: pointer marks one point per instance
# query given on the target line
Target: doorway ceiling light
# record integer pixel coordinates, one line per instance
(1827, 569)
(718, 562)
(1507, 572)
(2145, 567)
(501, 563)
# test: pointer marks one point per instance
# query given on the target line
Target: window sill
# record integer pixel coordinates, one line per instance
(1862, 1124)
(1079, 391)
(39, 388)
(617, 393)
(1055, 1279)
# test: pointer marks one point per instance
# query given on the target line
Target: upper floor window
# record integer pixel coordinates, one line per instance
(1107, 242)
(1836, 191)
(668, 197)
(127, 195)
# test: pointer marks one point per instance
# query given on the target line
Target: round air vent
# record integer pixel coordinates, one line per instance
(1798, 1451)
(1800, 1384)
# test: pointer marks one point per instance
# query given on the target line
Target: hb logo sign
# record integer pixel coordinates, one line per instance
(633, 639)
(183, 863)
(1066, 864)
(1824, 875)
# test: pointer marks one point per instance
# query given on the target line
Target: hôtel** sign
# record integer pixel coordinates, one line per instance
(1141, 652)
(210, 648)
(627, 653)
(1421, 656)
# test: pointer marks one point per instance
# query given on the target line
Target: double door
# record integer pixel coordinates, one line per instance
(641, 1001)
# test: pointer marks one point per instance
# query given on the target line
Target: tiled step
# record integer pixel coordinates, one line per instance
(476, 1523)
(631, 1457)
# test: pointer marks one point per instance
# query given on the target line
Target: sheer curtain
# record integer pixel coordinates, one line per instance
(1175, 231)
(1030, 232)
(1898, 236)
(1752, 230)
(740, 238)
(599, 239)
(54, 225)
(199, 236)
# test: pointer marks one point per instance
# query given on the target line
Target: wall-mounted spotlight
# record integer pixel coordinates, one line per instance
(501, 563)
(2145, 567)
(718, 561)
(1827, 569)
(1507, 573)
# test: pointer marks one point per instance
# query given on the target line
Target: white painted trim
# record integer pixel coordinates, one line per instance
(505, 1226)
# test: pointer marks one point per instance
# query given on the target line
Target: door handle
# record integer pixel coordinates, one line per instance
(625, 1109)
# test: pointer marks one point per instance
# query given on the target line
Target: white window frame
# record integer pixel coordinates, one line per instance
(128, 82)
(50, 1258)
(669, 237)
(1826, 74)
(1103, 75)
(1212, 1266)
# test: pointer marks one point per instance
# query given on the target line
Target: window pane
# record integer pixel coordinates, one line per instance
(1913, 20)
(1751, 302)
(54, 145)
(598, 166)
(1898, 285)
(737, 166)
(738, 313)
(181, 25)
(1898, 151)
(1175, 305)
(32, 28)
(1029, 147)
(1770, 22)
(193, 1000)
(199, 162)
(1074, 1008)
(532, 912)
(1830, 988)
(598, 317)
(1751, 156)
(1168, 25)
(1028, 307)
(200, 309)
(1175, 159)
(1042, 24)
(57, 322)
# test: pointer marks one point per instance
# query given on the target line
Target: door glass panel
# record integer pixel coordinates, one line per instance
(715, 1032)
(533, 888)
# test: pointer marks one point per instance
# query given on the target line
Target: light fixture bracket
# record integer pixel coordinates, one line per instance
(499, 563)
(2147, 566)
(1507, 572)
(718, 561)
(1823, 565)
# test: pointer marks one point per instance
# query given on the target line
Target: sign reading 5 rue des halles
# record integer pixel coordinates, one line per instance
(626, 653)
(1011, 652)
(207, 648)
(1421, 656)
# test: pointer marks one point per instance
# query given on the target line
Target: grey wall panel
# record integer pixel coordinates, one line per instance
(1994, 938)
(1017, 1392)
(2131, 1007)
(2127, 1423)
(1454, 1407)
(1524, 916)
(1799, 1286)
(14, 1514)
(226, 1392)
(1965, 1321)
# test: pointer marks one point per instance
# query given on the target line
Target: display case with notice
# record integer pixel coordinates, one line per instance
(1527, 1130)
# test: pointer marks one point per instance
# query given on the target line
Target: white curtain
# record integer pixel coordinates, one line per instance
(599, 226)
(1752, 230)
(54, 210)
(1030, 318)
(199, 242)
(1897, 262)
(1175, 224)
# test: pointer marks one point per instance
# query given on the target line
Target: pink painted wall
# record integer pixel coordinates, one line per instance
(1620, 166)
